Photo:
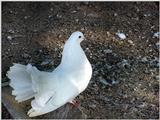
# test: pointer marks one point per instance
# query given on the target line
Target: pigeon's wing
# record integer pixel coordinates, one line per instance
(44, 85)
(40, 104)
(41, 99)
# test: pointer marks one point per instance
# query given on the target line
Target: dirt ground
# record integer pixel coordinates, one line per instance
(125, 81)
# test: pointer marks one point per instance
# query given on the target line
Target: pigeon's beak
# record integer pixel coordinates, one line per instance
(84, 39)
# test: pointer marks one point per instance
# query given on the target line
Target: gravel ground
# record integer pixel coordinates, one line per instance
(122, 46)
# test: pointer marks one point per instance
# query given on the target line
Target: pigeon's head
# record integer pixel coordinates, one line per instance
(77, 37)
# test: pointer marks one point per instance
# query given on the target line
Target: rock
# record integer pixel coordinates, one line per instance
(82, 29)
(158, 45)
(40, 51)
(142, 105)
(115, 14)
(108, 82)
(25, 17)
(147, 15)
(59, 36)
(156, 35)
(49, 16)
(144, 60)
(108, 34)
(155, 62)
(108, 66)
(95, 73)
(81, 97)
(46, 62)
(146, 71)
(93, 15)
(74, 11)
(123, 63)
(9, 37)
(11, 31)
(51, 9)
(121, 35)
(104, 82)
(77, 20)
(25, 56)
(93, 106)
(114, 82)
(55, 49)
(107, 51)
(11, 11)
(59, 16)
(157, 78)
(131, 42)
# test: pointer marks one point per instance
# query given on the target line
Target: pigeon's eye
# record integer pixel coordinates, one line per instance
(79, 37)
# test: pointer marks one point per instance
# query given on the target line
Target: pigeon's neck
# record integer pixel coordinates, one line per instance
(73, 55)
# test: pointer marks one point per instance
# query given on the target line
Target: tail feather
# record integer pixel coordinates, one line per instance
(21, 92)
(27, 96)
(21, 82)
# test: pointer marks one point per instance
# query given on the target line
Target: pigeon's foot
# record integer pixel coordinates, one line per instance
(75, 103)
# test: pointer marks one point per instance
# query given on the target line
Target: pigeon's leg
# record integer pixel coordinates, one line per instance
(75, 103)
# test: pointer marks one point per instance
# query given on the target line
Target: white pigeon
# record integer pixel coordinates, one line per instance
(53, 89)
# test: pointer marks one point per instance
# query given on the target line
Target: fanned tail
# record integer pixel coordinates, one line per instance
(21, 82)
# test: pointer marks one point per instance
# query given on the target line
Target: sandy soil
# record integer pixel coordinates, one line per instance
(125, 81)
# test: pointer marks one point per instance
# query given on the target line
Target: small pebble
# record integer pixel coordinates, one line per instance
(144, 60)
(108, 34)
(11, 31)
(115, 14)
(94, 15)
(121, 35)
(131, 42)
(49, 16)
(9, 37)
(25, 17)
(92, 106)
(157, 78)
(108, 82)
(156, 35)
(59, 36)
(25, 55)
(103, 81)
(59, 16)
(74, 11)
(158, 45)
(46, 61)
(147, 15)
(124, 63)
(51, 9)
(142, 105)
(107, 51)
(77, 20)
(108, 66)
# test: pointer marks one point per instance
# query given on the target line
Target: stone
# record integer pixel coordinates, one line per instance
(144, 60)
(46, 62)
(121, 35)
(131, 42)
(107, 51)
(25, 55)
(9, 37)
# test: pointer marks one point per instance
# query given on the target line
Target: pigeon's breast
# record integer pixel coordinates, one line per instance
(76, 66)
(81, 76)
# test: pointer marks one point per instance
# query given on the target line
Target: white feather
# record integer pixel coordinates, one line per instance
(51, 90)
